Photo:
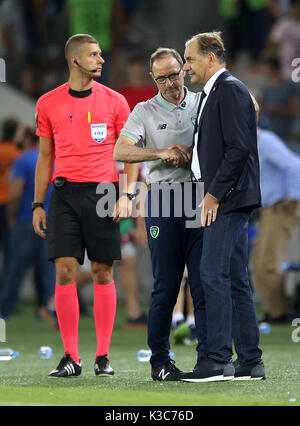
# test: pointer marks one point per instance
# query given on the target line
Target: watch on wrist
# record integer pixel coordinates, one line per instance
(129, 195)
(36, 205)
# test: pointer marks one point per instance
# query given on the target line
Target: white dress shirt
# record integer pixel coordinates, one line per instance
(207, 89)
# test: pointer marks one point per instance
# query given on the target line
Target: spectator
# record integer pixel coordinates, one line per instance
(27, 249)
(45, 28)
(8, 153)
(246, 25)
(124, 11)
(132, 232)
(284, 39)
(183, 318)
(279, 101)
(138, 88)
(280, 187)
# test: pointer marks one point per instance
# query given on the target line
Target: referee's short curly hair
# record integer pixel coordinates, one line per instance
(210, 42)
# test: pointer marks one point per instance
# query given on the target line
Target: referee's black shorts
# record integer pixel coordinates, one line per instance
(74, 225)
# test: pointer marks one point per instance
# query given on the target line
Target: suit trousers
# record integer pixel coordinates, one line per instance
(275, 228)
(229, 306)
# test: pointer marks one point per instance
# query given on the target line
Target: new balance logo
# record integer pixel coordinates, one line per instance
(162, 374)
(161, 126)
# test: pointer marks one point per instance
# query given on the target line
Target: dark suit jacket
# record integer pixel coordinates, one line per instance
(227, 145)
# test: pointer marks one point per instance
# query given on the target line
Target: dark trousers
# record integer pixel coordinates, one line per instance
(229, 304)
(4, 244)
(27, 250)
(172, 246)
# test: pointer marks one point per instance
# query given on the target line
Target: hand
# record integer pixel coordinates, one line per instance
(39, 218)
(186, 151)
(181, 158)
(122, 209)
(210, 207)
(173, 155)
(290, 206)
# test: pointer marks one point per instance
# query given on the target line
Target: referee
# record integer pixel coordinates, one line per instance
(161, 124)
(78, 123)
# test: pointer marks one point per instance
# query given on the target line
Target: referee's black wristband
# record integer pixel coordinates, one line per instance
(36, 205)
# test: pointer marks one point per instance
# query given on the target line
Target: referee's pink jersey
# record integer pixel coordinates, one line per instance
(84, 131)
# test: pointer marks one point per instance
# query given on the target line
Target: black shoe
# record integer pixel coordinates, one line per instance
(254, 371)
(282, 319)
(136, 323)
(66, 368)
(209, 370)
(102, 367)
(167, 372)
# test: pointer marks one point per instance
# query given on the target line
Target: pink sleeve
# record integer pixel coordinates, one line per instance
(43, 125)
(122, 115)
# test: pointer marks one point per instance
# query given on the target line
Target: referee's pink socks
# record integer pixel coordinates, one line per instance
(67, 310)
(105, 303)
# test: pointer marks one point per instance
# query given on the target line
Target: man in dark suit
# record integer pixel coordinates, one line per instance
(225, 157)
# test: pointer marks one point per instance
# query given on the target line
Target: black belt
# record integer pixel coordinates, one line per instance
(61, 181)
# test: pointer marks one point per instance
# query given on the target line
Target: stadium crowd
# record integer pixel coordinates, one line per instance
(262, 38)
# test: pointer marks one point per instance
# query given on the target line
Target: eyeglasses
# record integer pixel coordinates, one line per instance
(172, 77)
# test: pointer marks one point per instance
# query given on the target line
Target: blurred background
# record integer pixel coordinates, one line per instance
(262, 39)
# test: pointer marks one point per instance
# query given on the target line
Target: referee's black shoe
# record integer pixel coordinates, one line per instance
(66, 368)
(167, 372)
(102, 367)
(254, 371)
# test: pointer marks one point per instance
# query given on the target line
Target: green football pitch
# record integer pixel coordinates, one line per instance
(23, 381)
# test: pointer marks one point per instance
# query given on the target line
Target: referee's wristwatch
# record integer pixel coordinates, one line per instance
(36, 205)
(130, 195)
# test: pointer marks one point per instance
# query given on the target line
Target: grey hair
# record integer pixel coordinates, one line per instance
(162, 52)
(210, 42)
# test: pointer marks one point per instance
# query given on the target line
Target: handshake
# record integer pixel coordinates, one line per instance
(177, 154)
